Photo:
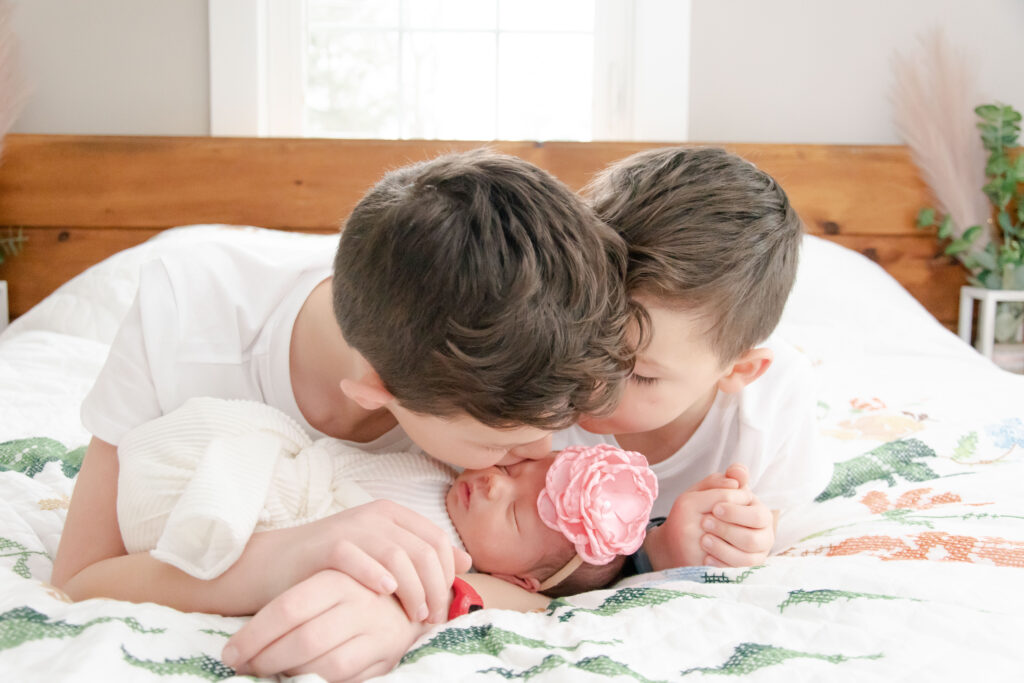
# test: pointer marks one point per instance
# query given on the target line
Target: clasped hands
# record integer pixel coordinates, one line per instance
(718, 522)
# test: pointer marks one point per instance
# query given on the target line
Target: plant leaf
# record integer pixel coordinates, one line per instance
(957, 246)
(985, 260)
(945, 227)
(926, 217)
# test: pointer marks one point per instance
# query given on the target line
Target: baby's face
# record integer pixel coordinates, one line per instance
(495, 513)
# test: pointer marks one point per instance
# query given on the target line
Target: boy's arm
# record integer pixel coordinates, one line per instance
(92, 562)
(333, 626)
(410, 553)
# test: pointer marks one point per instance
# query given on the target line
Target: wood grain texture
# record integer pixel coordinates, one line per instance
(82, 198)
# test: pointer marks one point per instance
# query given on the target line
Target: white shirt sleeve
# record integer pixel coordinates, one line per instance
(125, 395)
(796, 470)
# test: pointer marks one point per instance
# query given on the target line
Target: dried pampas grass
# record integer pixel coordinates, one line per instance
(12, 88)
(933, 101)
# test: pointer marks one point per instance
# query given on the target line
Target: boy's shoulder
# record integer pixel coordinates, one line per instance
(786, 390)
(210, 287)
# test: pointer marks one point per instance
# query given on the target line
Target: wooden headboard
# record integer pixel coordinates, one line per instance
(79, 199)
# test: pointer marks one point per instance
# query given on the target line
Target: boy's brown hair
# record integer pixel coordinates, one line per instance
(707, 231)
(478, 284)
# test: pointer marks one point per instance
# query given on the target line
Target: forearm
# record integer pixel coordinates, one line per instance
(501, 594)
(141, 578)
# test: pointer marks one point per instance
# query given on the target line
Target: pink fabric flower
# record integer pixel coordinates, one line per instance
(600, 498)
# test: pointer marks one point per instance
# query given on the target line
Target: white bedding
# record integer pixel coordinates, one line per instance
(908, 567)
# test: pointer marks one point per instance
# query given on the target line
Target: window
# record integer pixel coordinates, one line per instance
(450, 69)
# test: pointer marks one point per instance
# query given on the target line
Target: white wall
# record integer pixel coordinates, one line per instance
(820, 70)
(114, 66)
(760, 70)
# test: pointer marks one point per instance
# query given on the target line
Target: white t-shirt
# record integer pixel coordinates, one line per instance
(211, 321)
(769, 426)
(195, 484)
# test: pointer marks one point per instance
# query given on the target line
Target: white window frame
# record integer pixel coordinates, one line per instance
(641, 69)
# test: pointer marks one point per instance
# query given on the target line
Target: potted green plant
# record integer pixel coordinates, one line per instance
(993, 252)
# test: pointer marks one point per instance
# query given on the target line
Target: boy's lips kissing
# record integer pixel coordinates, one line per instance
(465, 492)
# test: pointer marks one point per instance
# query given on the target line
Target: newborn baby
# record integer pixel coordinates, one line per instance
(196, 483)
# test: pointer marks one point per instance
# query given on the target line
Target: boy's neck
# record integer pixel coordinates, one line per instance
(318, 360)
(662, 443)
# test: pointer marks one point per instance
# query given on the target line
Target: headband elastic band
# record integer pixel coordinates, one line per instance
(562, 574)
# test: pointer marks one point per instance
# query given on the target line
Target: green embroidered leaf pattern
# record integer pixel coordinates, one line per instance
(485, 639)
(600, 665)
(24, 624)
(825, 596)
(749, 657)
(966, 447)
(722, 578)
(625, 599)
(885, 463)
(215, 632)
(9, 548)
(29, 456)
(200, 665)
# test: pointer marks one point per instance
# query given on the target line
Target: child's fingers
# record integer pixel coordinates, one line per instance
(717, 480)
(463, 562)
(728, 554)
(738, 473)
(743, 538)
(752, 516)
(710, 561)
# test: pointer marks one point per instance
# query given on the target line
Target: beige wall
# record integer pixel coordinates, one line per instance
(820, 70)
(114, 66)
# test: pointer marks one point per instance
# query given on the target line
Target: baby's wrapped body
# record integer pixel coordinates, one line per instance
(195, 484)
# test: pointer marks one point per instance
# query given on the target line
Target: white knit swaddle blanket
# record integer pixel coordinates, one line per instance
(196, 483)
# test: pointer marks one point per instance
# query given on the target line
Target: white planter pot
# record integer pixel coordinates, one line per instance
(990, 315)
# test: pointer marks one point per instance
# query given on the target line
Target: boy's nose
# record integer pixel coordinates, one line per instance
(495, 484)
(534, 450)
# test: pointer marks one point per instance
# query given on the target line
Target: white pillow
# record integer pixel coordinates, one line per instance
(93, 303)
(852, 304)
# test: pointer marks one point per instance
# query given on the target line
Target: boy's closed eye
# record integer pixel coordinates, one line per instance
(641, 379)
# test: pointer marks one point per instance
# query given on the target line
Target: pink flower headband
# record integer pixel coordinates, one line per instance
(600, 498)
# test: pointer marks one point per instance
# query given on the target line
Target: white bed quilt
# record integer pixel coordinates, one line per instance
(908, 566)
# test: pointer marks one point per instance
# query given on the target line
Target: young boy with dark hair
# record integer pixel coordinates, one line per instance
(476, 304)
(713, 249)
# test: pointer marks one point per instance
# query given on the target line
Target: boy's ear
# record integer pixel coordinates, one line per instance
(528, 583)
(748, 367)
(368, 391)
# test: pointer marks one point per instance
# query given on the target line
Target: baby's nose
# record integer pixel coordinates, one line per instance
(496, 483)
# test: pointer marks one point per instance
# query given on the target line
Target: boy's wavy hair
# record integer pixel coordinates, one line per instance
(709, 232)
(478, 284)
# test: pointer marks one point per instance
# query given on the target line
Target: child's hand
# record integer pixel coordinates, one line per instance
(382, 545)
(329, 625)
(678, 542)
(737, 535)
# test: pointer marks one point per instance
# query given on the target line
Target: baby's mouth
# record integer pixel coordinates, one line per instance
(465, 492)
